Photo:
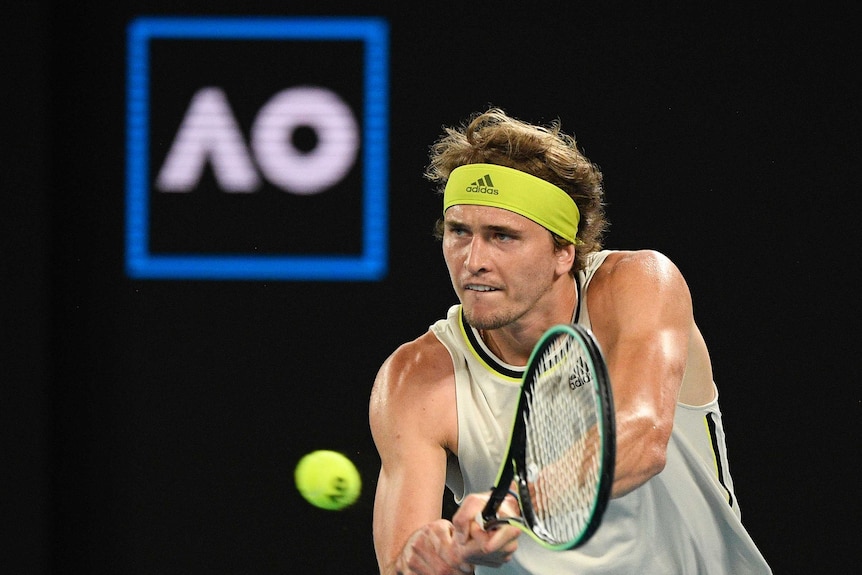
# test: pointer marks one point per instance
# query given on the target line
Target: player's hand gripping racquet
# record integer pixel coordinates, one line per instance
(562, 449)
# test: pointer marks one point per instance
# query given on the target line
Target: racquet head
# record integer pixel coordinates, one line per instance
(562, 450)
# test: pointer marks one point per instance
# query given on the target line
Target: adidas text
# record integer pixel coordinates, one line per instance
(483, 190)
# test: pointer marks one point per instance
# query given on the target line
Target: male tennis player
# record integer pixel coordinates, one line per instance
(521, 234)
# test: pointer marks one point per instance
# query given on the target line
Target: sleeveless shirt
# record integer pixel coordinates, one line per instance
(685, 520)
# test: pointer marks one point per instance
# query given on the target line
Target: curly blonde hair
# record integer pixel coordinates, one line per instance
(492, 137)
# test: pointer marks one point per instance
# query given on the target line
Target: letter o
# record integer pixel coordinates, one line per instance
(294, 170)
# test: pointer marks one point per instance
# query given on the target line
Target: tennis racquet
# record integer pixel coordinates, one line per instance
(562, 448)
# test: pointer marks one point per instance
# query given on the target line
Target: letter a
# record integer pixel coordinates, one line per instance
(209, 132)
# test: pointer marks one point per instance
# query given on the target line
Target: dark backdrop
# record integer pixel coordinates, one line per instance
(153, 426)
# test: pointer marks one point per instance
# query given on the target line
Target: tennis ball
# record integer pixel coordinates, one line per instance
(328, 479)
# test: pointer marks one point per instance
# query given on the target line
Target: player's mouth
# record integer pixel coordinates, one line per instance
(479, 288)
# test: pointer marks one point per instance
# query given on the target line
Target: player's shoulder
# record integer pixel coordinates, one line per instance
(637, 288)
(415, 367)
(637, 278)
(414, 394)
(632, 265)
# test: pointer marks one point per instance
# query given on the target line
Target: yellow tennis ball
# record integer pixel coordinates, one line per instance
(328, 479)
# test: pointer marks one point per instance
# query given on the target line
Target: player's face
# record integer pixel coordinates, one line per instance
(502, 265)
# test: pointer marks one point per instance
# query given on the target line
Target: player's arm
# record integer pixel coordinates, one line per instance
(409, 410)
(641, 312)
(414, 424)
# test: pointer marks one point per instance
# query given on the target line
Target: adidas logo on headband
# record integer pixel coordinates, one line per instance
(483, 186)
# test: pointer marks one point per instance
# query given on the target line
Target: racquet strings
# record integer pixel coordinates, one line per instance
(563, 442)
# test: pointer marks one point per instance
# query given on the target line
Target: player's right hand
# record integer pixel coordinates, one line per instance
(434, 550)
(492, 548)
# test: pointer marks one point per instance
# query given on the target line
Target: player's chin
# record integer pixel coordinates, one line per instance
(482, 301)
(481, 316)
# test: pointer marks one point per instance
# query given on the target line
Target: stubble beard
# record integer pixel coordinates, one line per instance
(489, 322)
(511, 313)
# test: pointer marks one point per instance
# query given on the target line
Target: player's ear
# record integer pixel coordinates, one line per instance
(565, 258)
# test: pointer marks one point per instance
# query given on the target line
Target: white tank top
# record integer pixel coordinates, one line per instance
(685, 520)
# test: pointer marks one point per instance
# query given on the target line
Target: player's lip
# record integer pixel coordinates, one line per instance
(481, 288)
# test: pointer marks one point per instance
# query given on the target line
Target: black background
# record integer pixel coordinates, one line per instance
(153, 426)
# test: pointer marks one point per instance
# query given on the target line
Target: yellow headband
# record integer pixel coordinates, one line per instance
(516, 191)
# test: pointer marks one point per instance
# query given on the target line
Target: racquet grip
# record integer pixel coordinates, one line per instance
(488, 517)
(480, 519)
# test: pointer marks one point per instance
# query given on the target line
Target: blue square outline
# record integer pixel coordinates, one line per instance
(371, 264)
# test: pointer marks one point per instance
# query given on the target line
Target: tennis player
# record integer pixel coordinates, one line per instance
(521, 233)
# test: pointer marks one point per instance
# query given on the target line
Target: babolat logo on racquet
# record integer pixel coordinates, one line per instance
(563, 443)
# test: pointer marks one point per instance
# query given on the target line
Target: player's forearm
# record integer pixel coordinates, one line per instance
(646, 373)
(389, 541)
(641, 450)
(388, 553)
(431, 549)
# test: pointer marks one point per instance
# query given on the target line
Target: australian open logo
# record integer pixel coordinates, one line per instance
(483, 186)
(229, 182)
